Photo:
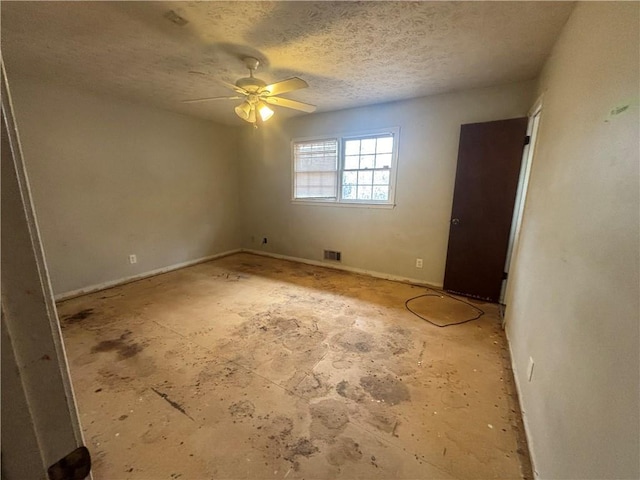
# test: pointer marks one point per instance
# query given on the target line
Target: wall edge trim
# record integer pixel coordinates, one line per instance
(152, 273)
(336, 266)
(525, 419)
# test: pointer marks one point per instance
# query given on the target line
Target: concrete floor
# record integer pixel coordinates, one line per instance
(249, 367)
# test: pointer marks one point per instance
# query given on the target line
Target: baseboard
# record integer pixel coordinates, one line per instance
(525, 421)
(121, 281)
(337, 266)
(140, 276)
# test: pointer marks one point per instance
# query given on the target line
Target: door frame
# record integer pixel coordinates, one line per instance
(533, 126)
(39, 414)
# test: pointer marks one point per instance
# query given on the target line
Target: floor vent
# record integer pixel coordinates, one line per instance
(332, 255)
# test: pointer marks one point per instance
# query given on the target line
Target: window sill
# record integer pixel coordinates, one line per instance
(320, 203)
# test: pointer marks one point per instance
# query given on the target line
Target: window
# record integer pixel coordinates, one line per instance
(358, 169)
(315, 166)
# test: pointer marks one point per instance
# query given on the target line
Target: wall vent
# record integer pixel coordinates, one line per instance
(332, 255)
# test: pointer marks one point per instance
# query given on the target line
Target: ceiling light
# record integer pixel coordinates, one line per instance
(249, 111)
(252, 115)
(243, 111)
(265, 112)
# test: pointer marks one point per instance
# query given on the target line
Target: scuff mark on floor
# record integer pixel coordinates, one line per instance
(175, 405)
(121, 345)
(79, 316)
(387, 389)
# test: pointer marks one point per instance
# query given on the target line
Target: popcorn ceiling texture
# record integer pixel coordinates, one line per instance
(350, 53)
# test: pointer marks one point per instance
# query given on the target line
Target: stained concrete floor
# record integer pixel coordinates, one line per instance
(249, 367)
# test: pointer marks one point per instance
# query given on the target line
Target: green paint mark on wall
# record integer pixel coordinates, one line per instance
(619, 110)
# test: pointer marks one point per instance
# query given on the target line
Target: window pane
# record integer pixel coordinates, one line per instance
(315, 178)
(384, 145)
(349, 192)
(368, 146)
(352, 147)
(365, 177)
(351, 162)
(383, 161)
(364, 193)
(312, 163)
(315, 184)
(381, 193)
(315, 192)
(366, 161)
(314, 156)
(381, 177)
(350, 178)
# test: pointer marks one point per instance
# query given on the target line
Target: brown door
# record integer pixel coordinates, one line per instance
(489, 159)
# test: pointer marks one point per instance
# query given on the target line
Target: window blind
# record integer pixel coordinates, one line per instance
(316, 169)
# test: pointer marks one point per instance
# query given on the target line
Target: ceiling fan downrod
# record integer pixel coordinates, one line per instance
(252, 64)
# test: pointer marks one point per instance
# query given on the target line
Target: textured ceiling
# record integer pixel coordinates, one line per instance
(350, 53)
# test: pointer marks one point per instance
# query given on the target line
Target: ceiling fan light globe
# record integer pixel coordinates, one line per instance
(243, 111)
(265, 112)
(252, 114)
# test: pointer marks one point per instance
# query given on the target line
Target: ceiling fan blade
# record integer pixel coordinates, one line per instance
(207, 99)
(288, 85)
(236, 88)
(285, 102)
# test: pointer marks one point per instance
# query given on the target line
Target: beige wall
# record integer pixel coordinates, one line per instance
(111, 178)
(573, 303)
(379, 240)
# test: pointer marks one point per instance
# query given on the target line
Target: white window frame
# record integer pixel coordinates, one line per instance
(338, 201)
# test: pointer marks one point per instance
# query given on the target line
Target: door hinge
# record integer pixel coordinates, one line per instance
(505, 275)
(527, 140)
(75, 466)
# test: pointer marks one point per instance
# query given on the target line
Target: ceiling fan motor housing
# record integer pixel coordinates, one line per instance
(251, 84)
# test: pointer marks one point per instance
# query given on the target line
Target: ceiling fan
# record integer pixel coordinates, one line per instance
(258, 95)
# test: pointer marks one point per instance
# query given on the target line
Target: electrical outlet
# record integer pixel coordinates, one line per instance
(530, 368)
(133, 259)
(418, 263)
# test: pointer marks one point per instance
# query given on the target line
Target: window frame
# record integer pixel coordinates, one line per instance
(338, 200)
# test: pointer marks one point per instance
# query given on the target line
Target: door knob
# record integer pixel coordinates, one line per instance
(455, 221)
